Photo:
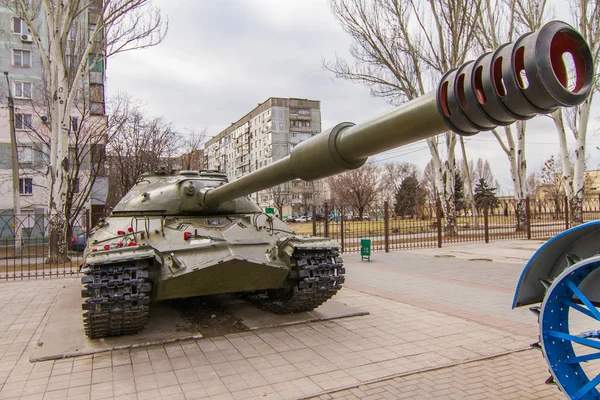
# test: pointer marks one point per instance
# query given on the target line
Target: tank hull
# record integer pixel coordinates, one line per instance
(196, 256)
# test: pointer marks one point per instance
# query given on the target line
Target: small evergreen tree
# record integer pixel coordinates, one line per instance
(485, 196)
(459, 192)
(409, 196)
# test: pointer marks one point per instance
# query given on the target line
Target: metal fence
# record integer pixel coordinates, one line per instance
(427, 226)
(27, 257)
(386, 230)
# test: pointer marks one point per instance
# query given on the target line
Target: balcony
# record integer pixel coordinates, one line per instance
(298, 117)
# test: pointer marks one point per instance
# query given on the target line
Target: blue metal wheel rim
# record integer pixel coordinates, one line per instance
(556, 338)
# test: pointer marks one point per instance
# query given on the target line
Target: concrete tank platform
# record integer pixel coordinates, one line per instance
(254, 318)
(63, 335)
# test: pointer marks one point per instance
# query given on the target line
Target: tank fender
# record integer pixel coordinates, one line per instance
(286, 246)
(125, 254)
(550, 260)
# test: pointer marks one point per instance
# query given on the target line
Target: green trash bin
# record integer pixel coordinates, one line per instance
(365, 249)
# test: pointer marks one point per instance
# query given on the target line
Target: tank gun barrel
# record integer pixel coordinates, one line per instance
(536, 74)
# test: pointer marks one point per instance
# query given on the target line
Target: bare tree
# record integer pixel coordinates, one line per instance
(88, 136)
(501, 21)
(586, 16)
(114, 26)
(356, 188)
(473, 172)
(468, 180)
(193, 153)
(307, 197)
(281, 196)
(142, 144)
(398, 48)
(550, 183)
(393, 174)
(532, 184)
(478, 169)
(428, 184)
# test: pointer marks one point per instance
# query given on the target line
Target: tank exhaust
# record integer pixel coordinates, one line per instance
(536, 74)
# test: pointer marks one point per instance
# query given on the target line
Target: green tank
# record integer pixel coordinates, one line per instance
(194, 233)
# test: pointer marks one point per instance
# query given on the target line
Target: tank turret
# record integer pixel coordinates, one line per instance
(191, 234)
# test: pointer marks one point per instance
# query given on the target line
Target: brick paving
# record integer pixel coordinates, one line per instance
(412, 349)
(517, 375)
(481, 291)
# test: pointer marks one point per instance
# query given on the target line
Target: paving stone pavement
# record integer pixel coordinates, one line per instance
(401, 350)
(513, 376)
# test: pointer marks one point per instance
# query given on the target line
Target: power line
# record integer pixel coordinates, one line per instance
(526, 142)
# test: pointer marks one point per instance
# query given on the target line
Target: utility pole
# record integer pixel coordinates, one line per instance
(15, 169)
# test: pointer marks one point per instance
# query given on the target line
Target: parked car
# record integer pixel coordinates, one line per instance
(302, 218)
(78, 242)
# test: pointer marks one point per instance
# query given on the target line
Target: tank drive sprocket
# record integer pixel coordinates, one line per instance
(116, 299)
(317, 276)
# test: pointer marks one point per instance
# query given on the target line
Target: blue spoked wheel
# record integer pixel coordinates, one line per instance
(571, 340)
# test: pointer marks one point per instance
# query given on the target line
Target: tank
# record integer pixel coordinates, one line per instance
(194, 233)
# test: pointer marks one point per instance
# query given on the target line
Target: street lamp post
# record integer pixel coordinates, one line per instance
(15, 168)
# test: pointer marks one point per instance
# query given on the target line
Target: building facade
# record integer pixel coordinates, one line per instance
(20, 57)
(264, 135)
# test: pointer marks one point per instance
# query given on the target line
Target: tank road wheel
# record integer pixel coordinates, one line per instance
(116, 299)
(571, 341)
(316, 276)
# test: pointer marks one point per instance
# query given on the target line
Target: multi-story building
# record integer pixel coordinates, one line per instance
(266, 134)
(20, 58)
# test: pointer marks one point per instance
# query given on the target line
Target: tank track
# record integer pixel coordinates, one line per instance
(116, 299)
(319, 275)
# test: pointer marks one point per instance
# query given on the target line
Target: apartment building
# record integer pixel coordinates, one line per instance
(20, 58)
(264, 135)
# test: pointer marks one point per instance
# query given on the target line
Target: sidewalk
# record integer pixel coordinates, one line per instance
(510, 251)
(400, 350)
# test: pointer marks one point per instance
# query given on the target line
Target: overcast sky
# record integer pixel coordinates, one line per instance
(221, 58)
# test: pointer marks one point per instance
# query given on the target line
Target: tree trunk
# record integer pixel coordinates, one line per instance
(521, 210)
(520, 184)
(449, 195)
(576, 205)
(469, 184)
(567, 172)
(59, 170)
(576, 201)
(445, 189)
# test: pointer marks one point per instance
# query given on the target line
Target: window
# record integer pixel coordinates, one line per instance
(22, 90)
(19, 26)
(21, 58)
(96, 62)
(25, 186)
(25, 154)
(74, 124)
(68, 60)
(23, 121)
(92, 28)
